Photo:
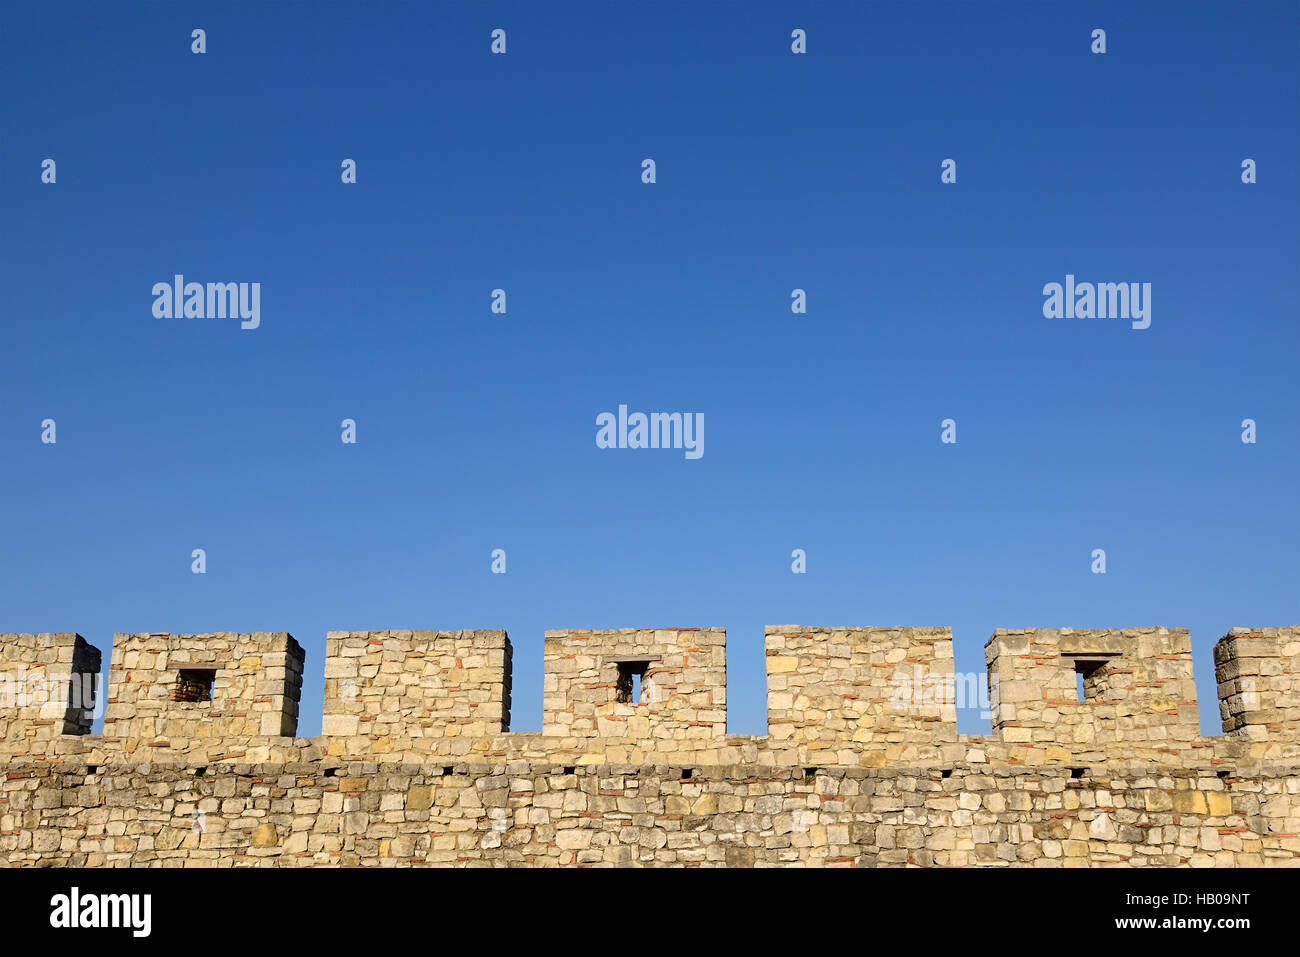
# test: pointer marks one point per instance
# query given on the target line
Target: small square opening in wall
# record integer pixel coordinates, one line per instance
(629, 686)
(193, 685)
(1084, 669)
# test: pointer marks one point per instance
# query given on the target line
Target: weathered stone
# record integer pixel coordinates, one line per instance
(863, 765)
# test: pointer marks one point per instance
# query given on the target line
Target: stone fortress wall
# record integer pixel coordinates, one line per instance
(862, 764)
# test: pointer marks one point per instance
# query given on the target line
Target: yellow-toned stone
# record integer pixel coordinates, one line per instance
(1189, 802)
(1220, 803)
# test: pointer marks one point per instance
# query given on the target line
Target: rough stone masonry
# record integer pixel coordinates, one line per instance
(198, 764)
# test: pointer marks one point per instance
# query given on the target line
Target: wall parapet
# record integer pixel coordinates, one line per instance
(1258, 682)
(410, 684)
(1098, 687)
(829, 689)
(634, 766)
(836, 697)
(49, 687)
(663, 683)
(224, 685)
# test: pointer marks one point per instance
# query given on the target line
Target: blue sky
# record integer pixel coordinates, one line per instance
(775, 171)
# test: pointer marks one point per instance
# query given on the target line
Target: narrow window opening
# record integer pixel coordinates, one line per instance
(331, 772)
(193, 685)
(946, 773)
(92, 768)
(1087, 671)
(448, 771)
(688, 774)
(629, 686)
(809, 775)
(1078, 772)
(570, 769)
(200, 772)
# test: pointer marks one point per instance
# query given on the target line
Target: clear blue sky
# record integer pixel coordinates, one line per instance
(523, 172)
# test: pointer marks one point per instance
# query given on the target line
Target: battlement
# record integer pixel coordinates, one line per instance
(1259, 687)
(852, 696)
(1095, 758)
(667, 683)
(389, 685)
(49, 686)
(187, 687)
(831, 689)
(1136, 683)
